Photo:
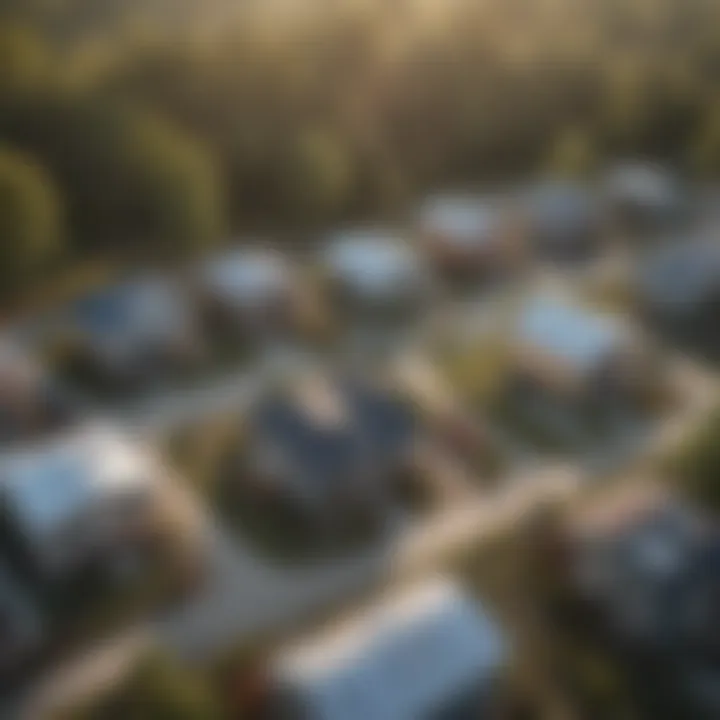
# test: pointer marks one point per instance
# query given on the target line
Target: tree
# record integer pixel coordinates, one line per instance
(704, 151)
(174, 197)
(157, 689)
(572, 154)
(318, 175)
(696, 465)
(30, 219)
(24, 60)
(132, 180)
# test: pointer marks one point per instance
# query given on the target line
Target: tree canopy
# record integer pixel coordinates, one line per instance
(163, 121)
(30, 219)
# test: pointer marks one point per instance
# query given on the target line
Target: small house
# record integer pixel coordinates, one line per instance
(466, 236)
(136, 330)
(644, 196)
(85, 496)
(327, 448)
(429, 651)
(573, 352)
(563, 220)
(682, 279)
(648, 561)
(645, 564)
(248, 290)
(375, 269)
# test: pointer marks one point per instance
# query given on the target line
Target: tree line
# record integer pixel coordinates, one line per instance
(132, 141)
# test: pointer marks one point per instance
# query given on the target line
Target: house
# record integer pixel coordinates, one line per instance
(327, 448)
(466, 236)
(678, 292)
(644, 196)
(21, 628)
(248, 291)
(682, 278)
(376, 269)
(648, 566)
(30, 400)
(563, 220)
(137, 329)
(86, 496)
(428, 651)
(572, 351)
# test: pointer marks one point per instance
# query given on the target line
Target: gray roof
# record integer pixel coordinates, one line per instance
(332, 435)
(561, 208)
(134, 315)
(643, 184)
(681, 275)
(463, 220)
(572, 334)
(373, 262)
(640, 571)
(247, 276)
(404, 659)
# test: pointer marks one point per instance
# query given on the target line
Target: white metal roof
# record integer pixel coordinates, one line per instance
(399, 660)
(373, 261)
(51, 484)
(247, 276)
(574, 335)
(464, 220)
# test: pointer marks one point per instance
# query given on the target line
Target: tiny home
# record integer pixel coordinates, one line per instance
(563, 220)
(86, 496)
(327, 448)
(136, 330)
(248, 291)
(644, 196)
(375, 268)
(466, 236)
(428, 651)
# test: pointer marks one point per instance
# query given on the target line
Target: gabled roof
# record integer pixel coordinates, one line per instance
(373, 261)
(465, 221)
(331, 435)
(247, 276)
(49, 485)
(402, 659)
(577, 337)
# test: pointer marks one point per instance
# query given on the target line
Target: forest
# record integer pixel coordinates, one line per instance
(151, 130)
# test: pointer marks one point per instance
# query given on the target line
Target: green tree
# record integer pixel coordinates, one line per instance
(132, 181)
(24, 60)
(572, 154)
(158, 689)
(696, 465)
(30, 219)
(704, 150)
(319, 174)
(174, 196)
